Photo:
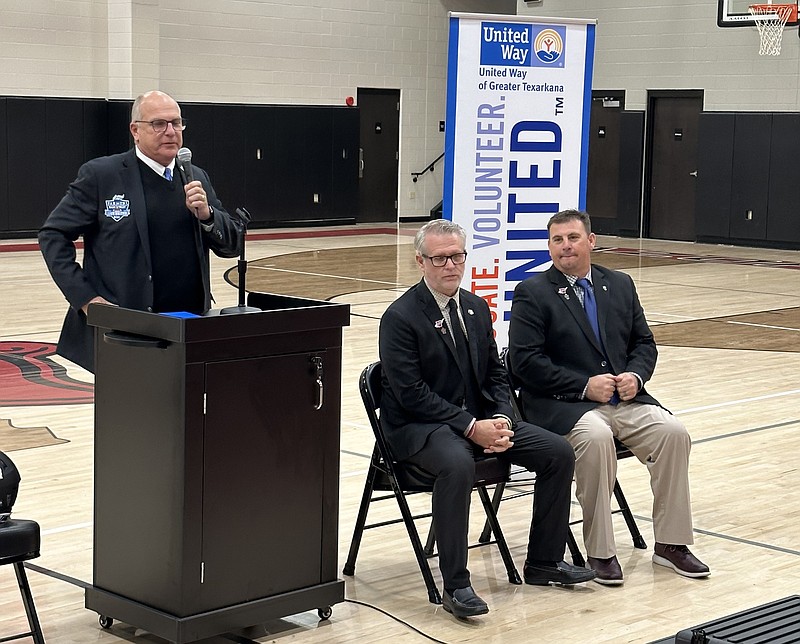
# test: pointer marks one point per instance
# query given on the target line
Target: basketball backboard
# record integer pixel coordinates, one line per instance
(736, 13)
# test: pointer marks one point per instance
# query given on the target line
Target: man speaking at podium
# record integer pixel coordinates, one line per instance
(147, 221)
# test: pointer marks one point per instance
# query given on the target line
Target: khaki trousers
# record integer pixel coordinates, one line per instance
(657, 439)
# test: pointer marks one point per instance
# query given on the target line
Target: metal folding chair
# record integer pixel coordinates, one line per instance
(403, 479)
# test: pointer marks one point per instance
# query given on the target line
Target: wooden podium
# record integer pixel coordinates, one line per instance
(216, 480)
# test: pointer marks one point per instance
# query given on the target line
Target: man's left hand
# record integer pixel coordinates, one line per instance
(627, 385)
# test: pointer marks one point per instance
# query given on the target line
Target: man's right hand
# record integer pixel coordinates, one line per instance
(601, 387)
(493, 434)
(95, 300)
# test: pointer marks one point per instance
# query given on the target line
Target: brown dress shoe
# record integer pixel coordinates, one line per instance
(609, 572)
(680, 559)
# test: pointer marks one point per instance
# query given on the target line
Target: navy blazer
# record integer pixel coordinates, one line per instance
(106, 205)
(422, 384)
(553, 350)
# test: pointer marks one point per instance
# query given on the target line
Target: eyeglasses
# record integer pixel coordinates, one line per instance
(160, 125)
(441, 260)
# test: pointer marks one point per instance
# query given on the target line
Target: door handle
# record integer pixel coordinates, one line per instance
(319, 386)
(360, 163)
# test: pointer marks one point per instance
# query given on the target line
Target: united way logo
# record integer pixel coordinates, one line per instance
(548, 45)
(117, 207)
(507, 44)
(510, 44)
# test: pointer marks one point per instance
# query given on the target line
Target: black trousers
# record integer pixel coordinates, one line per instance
(451, 459)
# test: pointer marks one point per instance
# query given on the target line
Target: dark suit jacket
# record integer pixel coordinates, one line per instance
(422, 384)
(553, 350)
(116, 258)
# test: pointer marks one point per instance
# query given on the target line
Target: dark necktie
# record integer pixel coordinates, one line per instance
(590, 306)
(472, 395)
(168, 174)
(459, 338)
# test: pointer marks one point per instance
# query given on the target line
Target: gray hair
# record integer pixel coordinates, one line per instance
(438, 227)
(136, 109)
(571, 214)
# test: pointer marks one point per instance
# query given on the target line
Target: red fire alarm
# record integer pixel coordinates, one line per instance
(349, 101)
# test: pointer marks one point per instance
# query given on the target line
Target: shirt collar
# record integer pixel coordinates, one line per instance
(441, 298)
(572, 278)
(155, 166)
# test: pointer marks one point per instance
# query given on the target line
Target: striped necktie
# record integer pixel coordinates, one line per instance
(168, 174)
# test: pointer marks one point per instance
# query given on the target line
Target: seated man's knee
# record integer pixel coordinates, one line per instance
(592, 437)
(459, 469)
(674, 431)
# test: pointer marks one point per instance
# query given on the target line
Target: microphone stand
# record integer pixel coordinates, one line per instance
(244, 219)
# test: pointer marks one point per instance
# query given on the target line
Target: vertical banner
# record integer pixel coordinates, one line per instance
(519, 94)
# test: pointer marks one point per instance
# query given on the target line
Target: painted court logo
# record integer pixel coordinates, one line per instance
(522, 45)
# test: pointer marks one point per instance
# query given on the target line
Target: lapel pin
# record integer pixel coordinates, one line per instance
(605, 288)
(470, 311)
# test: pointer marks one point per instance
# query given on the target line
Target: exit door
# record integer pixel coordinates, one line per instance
(380, 153)
(673, 121)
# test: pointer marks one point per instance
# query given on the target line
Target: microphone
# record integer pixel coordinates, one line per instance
(185, 159)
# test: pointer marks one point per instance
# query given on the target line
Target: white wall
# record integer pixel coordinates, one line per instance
(676, 44)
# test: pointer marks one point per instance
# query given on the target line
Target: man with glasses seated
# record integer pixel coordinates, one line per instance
(446, 401)
(147, 229)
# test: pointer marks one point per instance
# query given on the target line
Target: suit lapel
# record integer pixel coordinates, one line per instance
(569, 298)
(434, 314)
(132, 180)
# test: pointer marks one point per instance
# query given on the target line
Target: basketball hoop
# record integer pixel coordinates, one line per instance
(770, 20)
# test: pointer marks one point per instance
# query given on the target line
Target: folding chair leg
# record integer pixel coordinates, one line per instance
(361, 520)
(511, 569)
(30, 608)
(622, 502)
(430, 543)
(497, 496)
(574, 550)
(434, 597)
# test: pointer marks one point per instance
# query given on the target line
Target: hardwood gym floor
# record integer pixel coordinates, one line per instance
(728, 324)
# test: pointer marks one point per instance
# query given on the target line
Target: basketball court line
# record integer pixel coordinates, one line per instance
(740, 401)
(325, 275)
(762, 326)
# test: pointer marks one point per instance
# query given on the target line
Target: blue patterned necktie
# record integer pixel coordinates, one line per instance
(168, 174)
(590, 306)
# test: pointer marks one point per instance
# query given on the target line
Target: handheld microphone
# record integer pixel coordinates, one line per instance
(185, 159)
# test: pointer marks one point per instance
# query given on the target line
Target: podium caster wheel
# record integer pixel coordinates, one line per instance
(105, 622)
(325, 613)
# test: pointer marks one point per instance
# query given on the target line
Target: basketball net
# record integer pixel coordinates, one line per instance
(770, 20)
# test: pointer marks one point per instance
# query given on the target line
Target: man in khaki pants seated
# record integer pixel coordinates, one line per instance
(581, 352)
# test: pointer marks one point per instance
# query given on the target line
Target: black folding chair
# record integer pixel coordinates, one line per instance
(622, 503)
(19, 541)
(402, 479)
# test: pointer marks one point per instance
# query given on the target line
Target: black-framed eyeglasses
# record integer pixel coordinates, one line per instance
(440, 260)
(160, 125)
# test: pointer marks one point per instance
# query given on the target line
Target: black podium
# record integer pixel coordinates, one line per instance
(216, 481)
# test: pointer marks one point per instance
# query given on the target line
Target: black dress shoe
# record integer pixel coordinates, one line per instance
(560, 574)
(464, 603)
